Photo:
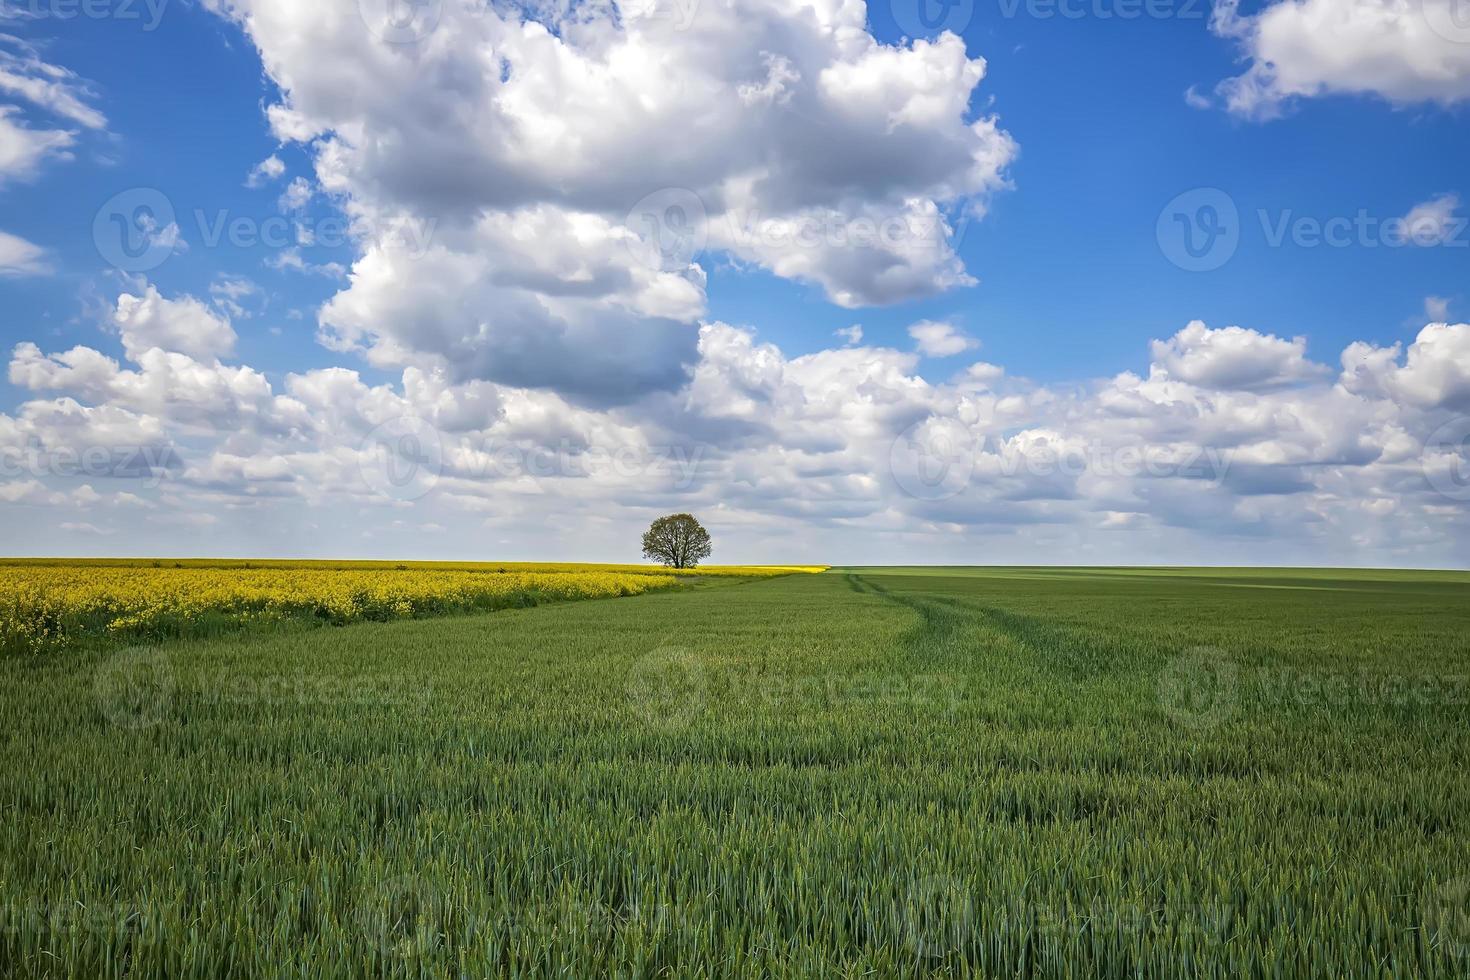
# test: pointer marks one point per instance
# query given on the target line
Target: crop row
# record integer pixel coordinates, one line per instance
(47, 606)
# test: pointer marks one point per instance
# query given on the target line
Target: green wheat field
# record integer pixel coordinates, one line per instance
(868, 772)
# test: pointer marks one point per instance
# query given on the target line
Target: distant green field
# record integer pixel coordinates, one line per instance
(875, 772)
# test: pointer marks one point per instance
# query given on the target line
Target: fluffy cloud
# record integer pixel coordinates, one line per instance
(574, 169)
(1433, 222)
(166, 387)
(938, 339)
(229, 293)
(1233, 357)
(296, 195)
(1405, 51)
(26, 78)
(23, 149)
(267, 170)
(185, 325)
(539, 299)
(1434, 373)
(1229, 435)
(19, 257)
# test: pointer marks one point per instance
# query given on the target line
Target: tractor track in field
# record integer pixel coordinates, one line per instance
(940, 623)
(944, 623)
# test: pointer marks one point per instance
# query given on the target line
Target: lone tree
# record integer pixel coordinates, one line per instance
(677, 541)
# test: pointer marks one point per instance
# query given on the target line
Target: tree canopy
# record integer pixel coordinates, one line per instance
(677, 540)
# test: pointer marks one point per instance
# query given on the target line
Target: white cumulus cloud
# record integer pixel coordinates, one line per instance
(576, 167)
(19, 257)
(1404, 51)
(1434, 222)
(185, 325)
(940, 339)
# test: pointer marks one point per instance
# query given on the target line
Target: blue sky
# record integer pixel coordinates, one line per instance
(1061, 233)
(1107, 139)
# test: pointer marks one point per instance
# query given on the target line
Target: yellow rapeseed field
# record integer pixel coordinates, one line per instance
(46, 604)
